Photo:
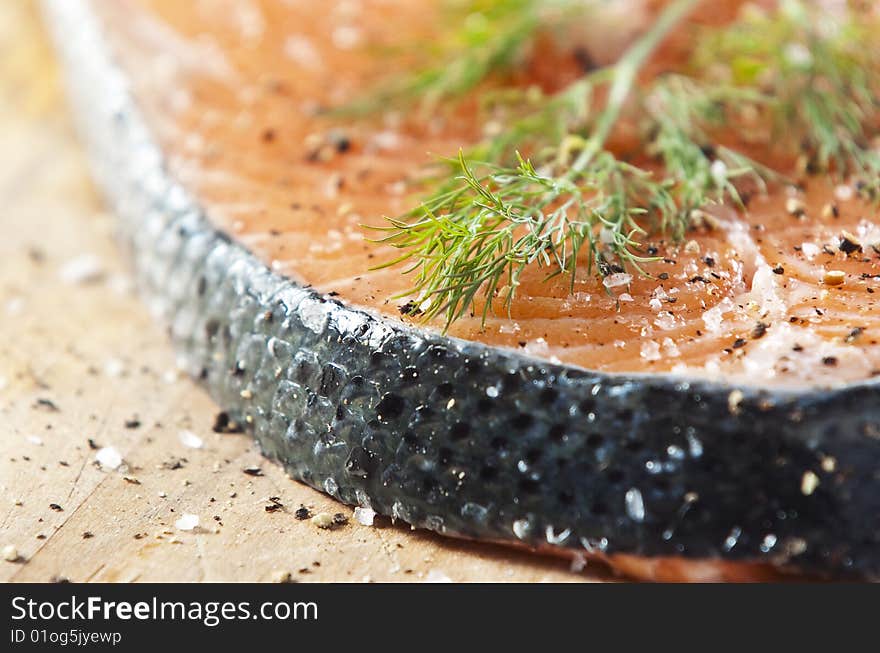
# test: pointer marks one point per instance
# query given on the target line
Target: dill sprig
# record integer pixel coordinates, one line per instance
(494, 220)
(478, 238)
(812, 72)
(679, 112)
(491, 37)
(573, 202)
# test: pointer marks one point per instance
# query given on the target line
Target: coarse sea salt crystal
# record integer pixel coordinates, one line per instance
(346, 37)
(364, 516)
(665, 321)
(303, 52)
(437, 576)
(114, 368)
(189, 439)
(83, 269)
(868, 232)
(187, 522)
(809, 250)
(625, 297)
(650, 350)
(537, 346)
(670, 349)
(844, 192)
(15, 306)
(714, 316)
(617, 279)
(109, 458)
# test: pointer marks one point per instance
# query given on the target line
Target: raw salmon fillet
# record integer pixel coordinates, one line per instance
(235, 97)
(761, 307)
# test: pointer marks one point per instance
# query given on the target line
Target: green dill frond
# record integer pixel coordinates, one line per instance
(480, 238)
(488, 223)
(571, 201)
(681, 112)
(489, 38)
(814, 72)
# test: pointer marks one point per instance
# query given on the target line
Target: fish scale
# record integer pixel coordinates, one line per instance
(463, 438)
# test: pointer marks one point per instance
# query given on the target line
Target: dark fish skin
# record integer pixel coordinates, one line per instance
(467, 439)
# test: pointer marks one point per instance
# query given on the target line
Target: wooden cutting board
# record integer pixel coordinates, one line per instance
(82, 365)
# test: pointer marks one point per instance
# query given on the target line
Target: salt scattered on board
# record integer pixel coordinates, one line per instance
(10, 553)
(364, 516)
(108, 458)
(86, 268)
(15, 306)
(114, 368)
(437, 576)
(187, 522)
(190, 439)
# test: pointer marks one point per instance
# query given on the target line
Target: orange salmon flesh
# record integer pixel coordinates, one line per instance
(233, 95)
(769, 295)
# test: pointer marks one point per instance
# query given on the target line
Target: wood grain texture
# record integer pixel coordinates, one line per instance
(91, 349)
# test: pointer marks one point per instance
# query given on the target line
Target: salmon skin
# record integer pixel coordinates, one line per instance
(661, 476)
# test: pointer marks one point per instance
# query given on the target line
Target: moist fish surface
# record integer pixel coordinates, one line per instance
(708, 421)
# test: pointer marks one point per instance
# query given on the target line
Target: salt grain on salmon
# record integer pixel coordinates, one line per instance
(616, 280)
